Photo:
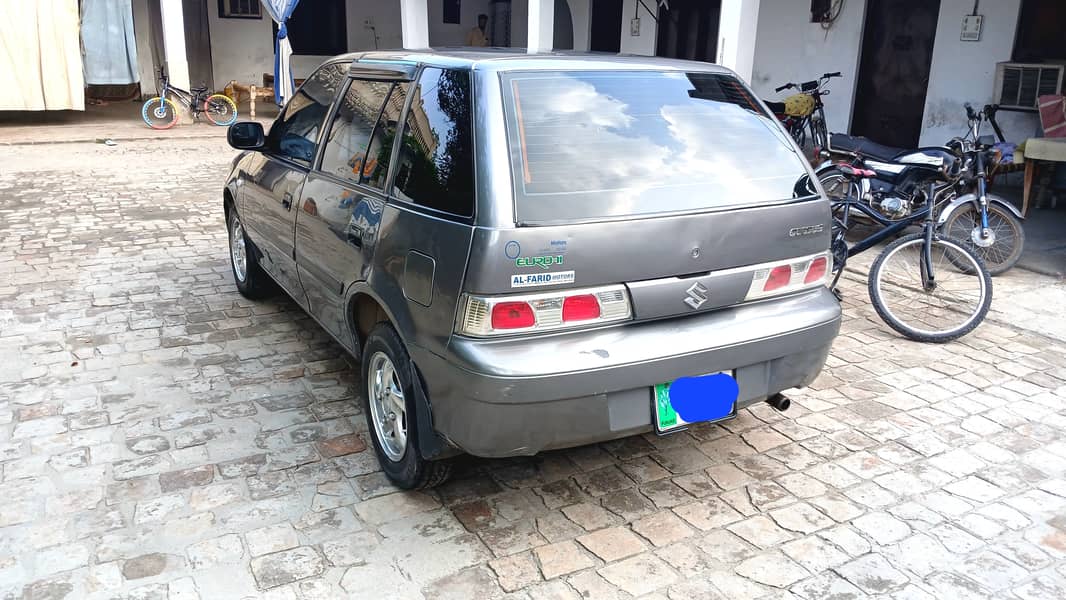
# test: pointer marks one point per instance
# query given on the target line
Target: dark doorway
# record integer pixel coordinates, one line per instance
(606, 34)
(689, 30)
(897, 51)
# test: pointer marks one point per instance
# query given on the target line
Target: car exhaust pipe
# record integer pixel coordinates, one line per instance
(779, 401)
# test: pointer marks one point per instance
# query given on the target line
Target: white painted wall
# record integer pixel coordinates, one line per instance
(443, 34)
(791, 48)
(965, 71)
(788, 47)
(645, 42)
(243, 49)
(737, 26)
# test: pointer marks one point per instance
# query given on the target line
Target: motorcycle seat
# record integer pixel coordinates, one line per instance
(839, 142)
(778, 108)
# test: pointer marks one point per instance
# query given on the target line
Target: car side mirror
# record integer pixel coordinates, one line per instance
(246, 135)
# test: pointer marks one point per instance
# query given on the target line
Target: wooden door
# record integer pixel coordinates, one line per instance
(897, 52)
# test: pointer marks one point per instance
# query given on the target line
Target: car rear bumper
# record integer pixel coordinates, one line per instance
(521, 396)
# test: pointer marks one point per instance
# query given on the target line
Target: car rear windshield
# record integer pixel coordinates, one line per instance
(594, 145)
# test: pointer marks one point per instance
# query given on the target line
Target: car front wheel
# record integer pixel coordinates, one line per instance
(388, 403)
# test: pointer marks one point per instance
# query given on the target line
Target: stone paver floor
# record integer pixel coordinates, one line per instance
(161, 437)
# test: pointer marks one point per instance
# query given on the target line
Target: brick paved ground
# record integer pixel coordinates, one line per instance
(161, 437)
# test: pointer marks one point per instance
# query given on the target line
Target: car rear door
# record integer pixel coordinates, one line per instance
(342, 201)
(276, 175)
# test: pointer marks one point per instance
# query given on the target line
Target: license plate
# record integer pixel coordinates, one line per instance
(705, 399)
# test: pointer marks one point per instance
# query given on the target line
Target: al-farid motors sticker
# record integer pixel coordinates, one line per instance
(524, 280)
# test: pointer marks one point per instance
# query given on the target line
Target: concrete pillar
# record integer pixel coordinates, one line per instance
(581, 14)
(414, 23)
(174, 42)
(737, 24)
(541, 25)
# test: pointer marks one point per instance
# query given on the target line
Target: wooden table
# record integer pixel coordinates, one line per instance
(1036, 151)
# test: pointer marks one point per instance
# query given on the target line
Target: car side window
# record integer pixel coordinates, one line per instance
(346, 143)
(436, 163)
(380, 151)
(294, 134)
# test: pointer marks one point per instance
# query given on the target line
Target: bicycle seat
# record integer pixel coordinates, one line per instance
(198, 89)
(840, 142)
(852, 172)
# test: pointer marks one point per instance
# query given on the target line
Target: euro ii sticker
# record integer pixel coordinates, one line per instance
(524, 280)
(544, 262)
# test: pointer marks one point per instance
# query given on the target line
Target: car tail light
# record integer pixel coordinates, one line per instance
(489, 315)
(816, 272)
(779, 278)
(513, 315)
(581, 308)
(786, 277)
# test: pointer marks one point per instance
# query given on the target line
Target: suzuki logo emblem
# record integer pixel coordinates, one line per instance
(697, 295)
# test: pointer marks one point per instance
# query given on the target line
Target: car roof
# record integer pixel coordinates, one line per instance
(518, 59)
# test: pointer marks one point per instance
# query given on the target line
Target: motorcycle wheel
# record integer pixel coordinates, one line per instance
(1008, 237)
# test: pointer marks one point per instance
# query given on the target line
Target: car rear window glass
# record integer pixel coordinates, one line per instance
(588, 145)
(436, 165)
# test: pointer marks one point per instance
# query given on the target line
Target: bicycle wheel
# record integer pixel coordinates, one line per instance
(159, 113)
(1002, 249)
(953, 307)
(220, 109)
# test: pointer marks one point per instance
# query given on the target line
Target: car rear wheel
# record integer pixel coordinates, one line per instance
(252, 282)
(390, 410)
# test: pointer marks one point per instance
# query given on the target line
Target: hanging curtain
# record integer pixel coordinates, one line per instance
(280, 11)
(40, 56)
(109, 43)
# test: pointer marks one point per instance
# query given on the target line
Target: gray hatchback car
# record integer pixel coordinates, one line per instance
(537, 251)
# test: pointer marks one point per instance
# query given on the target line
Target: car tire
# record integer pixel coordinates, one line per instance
(388, 385)
(252, 281)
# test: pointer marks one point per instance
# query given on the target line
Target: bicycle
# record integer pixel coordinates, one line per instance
(161, 112)
(804, 111)
(926, 286)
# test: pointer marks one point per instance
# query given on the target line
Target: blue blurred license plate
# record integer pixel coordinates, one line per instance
(688, 400)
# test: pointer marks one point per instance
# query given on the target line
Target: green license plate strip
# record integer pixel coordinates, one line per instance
(666, 418)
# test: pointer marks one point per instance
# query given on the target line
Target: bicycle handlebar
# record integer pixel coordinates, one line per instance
(785, 87)
(831, 75)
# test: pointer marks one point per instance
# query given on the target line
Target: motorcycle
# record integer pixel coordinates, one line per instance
(804, 112)
(988, 224)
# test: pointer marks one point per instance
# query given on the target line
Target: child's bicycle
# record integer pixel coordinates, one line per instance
(162, 113)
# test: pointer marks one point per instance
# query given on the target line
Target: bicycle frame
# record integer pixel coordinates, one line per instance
(890, 229)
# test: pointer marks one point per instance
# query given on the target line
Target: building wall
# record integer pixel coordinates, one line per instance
(645, 42)
(243, 49)
(965, 71)
(788, 47)
(443, 34)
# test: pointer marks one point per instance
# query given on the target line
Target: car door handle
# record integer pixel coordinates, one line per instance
(286, 201)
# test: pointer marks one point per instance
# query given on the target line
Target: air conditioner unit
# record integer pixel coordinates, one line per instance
(1018, 85)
